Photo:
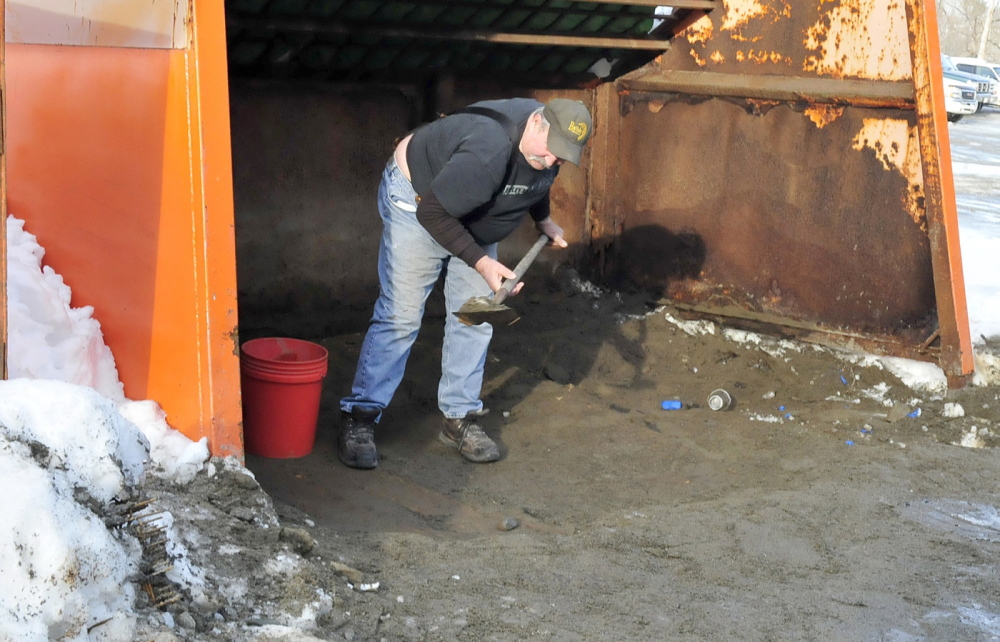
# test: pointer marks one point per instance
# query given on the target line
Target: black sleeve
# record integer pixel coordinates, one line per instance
(540, 210)
(447, 230)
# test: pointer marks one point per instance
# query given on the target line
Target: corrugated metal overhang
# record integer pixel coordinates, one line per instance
(539, 43)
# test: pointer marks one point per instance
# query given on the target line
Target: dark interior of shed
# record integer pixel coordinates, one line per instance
(320, 89)
(319, 92)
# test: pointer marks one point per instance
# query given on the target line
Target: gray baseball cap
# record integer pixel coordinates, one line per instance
(569, 128)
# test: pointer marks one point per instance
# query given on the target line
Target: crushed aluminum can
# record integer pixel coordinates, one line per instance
(720, 400)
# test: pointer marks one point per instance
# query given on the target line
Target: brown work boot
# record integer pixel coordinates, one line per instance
(468, 438)
(357, 439)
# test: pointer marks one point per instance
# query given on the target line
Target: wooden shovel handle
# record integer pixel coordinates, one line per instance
(501, 295)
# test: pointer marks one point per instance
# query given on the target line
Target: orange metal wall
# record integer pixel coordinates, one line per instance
(119, 163)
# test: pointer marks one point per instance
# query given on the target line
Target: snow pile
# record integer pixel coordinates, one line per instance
(693, 328)
(987, 368)
(878, 393)
(917, 375)
(68, 454)
(172, 454)
(952, 411)
(582, 286)
(70, 443)
(51, 340)
(774, 347)
(972, 439)
(71, 446)
(47, 338)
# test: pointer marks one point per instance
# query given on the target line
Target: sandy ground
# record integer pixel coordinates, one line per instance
(816, 509)
(763, 522)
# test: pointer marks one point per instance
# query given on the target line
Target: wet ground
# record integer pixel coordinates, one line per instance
(816, 508)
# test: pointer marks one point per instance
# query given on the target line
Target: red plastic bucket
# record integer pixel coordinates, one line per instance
(282, 381)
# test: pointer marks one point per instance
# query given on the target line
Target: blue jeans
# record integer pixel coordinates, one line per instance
(409, 263)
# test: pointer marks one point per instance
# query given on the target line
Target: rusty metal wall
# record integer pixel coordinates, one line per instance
(768, 169)
(822, 38)
(770, 213)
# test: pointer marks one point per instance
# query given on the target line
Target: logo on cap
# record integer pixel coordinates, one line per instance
(580, 129)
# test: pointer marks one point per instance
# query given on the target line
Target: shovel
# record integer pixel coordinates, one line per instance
(490, 309)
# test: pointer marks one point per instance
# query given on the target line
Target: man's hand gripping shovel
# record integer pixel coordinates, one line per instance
(491, 309)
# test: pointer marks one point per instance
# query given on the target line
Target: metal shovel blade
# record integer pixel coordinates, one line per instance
(482, 309)
(490, 309)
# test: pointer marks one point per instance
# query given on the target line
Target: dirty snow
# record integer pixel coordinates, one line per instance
(953, 410)
(694, 327)
(73, 446)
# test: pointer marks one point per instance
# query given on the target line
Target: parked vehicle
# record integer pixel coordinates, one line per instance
(985, 87)
(959, 96)
(981, 68)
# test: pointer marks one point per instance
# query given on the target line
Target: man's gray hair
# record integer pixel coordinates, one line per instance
(541, 112)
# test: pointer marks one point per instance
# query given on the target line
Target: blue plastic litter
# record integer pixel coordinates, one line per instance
(843, 380)
(849, 442)
(915, 413)
(781, 408)
(865, 431)
(788, 415)
(671, 404)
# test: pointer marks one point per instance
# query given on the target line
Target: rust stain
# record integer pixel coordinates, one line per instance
(897, 147)
(717, 57)
(862, 39)
(823, 115)
(742, 13)
(233, 336)
(749, 21)
(655, 106)
(761, 57)
(759, 107)
(700, 32)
